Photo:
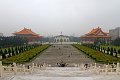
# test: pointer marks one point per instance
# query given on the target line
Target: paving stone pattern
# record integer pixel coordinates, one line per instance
(61, 53)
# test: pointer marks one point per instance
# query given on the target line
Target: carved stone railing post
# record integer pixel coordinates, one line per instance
(44, 65)
(15, 68)
(95, 66)
(99, 70)
(117, 68)
(33, 66)
(106, 69)
(24, 69)
(82, 66)
(30, 68)
(49, 65)
(1, 69)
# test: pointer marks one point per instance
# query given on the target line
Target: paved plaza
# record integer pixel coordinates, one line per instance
(61, 53)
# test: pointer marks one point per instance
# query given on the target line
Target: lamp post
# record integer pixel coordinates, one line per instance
(0, 65)
(0, 57)
(61, 38)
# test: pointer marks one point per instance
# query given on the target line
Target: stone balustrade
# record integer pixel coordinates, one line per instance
(22, 69)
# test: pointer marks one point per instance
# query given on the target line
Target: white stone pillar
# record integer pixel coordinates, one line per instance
(29, 69)
(36, 66)
(91, 67)
(113, 63)
(99, 70)
(106, 69)
(95, 66)
(1, 69)
(39, 66)
(75, 65)
(15, 68)
(24, 69)
(49, 65)
(44, 66)
(117, 68)
(82, 66)
(33, 66)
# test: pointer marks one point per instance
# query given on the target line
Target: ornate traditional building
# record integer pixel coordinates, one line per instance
(95, 36)
(62, 39)
(28, 34)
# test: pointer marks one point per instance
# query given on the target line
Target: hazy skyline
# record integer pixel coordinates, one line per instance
(51, 17)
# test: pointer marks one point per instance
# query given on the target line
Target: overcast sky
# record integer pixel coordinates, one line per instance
(51, 17)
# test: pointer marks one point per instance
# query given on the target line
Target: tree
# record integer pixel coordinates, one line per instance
(108, 50)
(103, 49)
(119, 51)
(115, 52)
(9, 52)
(116, 42)
(22, 49)
(0, 53)
(13, 53)
(16, 50)
(19, 49)
(4, 54)
(12, 41)
(5, 51)
(111, 51)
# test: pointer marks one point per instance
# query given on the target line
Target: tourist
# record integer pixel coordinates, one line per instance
(86, 65)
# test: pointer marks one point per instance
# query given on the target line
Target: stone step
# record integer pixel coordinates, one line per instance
(63, 72)
(51, 78)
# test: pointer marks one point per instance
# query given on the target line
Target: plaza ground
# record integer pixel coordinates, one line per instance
(57, 53)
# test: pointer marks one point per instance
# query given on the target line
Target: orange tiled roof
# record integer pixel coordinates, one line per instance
(26, 31)
(93, 31)
(96, 31)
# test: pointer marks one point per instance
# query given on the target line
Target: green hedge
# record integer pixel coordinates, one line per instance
(106, 47)
(97, 55)
(25, 56)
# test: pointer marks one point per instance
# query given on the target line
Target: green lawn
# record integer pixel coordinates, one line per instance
(97, 55)
(25, 56)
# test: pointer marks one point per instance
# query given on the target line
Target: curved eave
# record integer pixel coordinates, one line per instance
(25, 34)
(95, 37)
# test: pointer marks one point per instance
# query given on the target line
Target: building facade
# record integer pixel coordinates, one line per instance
(29, 35)
(115, 33)
(1, 34)
(61, 39)
(95, 36)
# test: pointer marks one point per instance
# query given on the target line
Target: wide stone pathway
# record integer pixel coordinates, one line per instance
(57, 53)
